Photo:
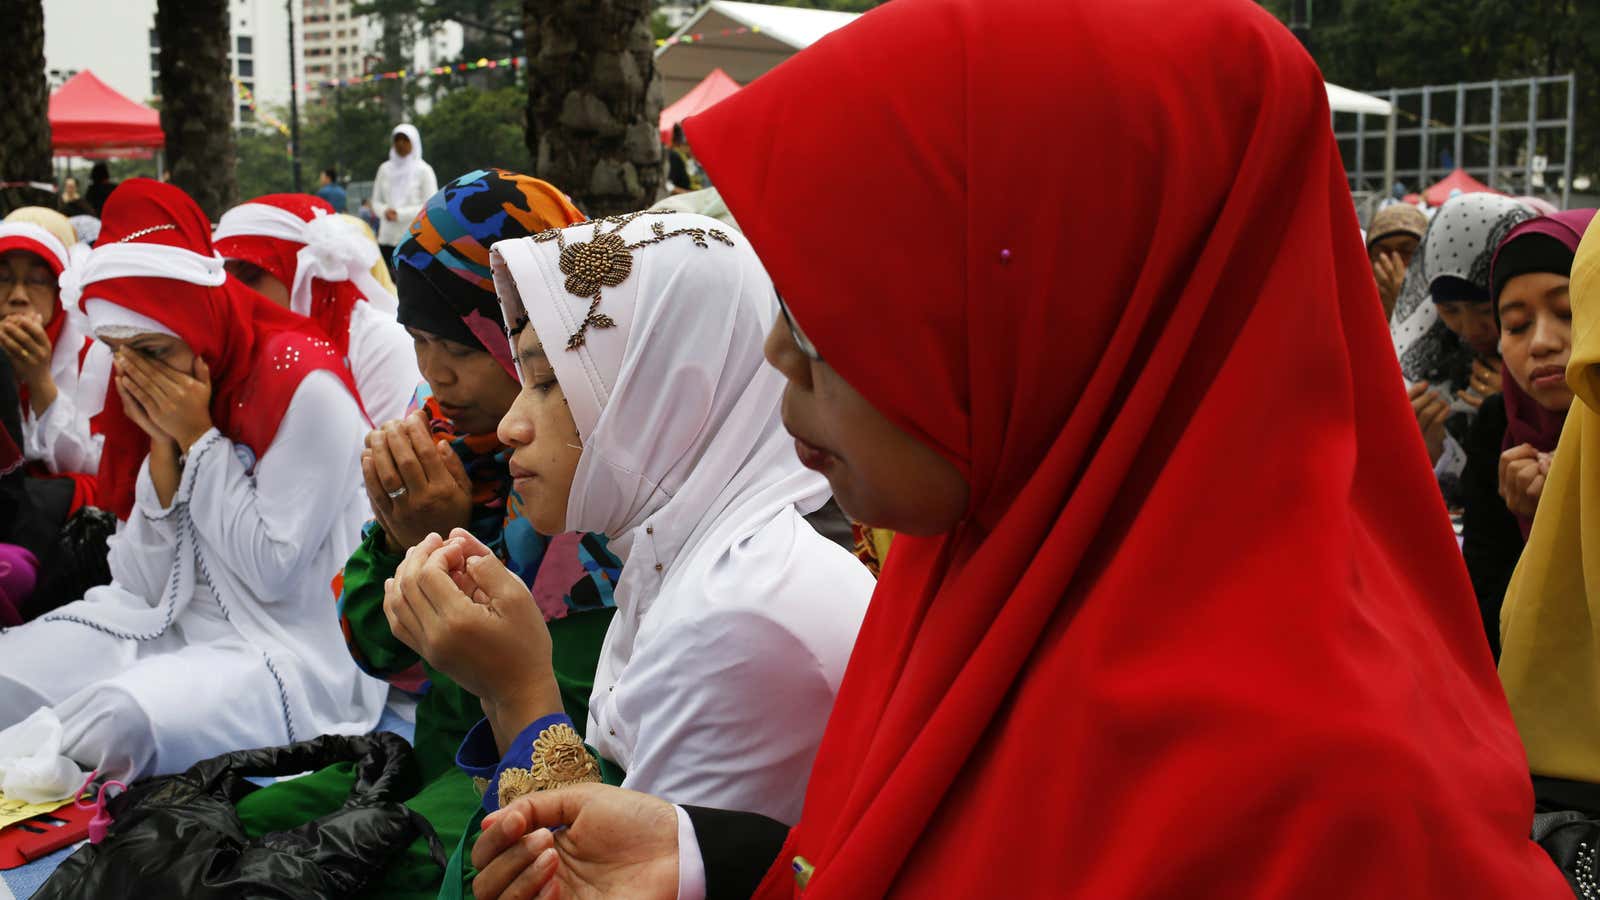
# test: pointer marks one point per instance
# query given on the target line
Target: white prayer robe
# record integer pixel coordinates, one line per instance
(383, 360)
(218, 631)
(60, 436)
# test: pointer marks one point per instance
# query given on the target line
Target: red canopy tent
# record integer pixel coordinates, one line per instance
(89, 118)
(1458, 180)
(712, 89)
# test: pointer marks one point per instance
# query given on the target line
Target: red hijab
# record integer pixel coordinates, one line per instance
(1204, 632)
(257, 352)
(331, 301)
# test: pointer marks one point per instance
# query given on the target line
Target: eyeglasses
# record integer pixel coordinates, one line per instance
(801, 342)
(33, 280)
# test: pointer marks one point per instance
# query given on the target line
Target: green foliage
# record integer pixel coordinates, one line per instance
(1372, 44)
(474, 129)
(487, 26)
(264, 166)
(350, 131)
(467, 129)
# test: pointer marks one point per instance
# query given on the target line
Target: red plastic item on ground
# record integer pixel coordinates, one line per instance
(40, 836)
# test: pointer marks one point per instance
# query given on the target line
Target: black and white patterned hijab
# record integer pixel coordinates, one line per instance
(1460, 242)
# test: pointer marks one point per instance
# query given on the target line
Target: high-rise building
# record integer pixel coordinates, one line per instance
(118, 42)
(332, 36)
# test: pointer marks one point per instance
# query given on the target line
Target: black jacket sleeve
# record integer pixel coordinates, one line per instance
(1491, 539)
(737, 849)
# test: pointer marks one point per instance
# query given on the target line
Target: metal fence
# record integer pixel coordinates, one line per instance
(1514, 135)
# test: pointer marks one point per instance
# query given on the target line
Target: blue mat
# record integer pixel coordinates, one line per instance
(399, 716)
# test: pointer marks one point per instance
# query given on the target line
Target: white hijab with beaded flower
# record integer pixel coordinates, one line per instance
(654, 324)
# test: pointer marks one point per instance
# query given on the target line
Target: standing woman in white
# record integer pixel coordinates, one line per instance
(401, 187)
(232, 451)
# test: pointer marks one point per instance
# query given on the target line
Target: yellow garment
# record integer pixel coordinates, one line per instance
(1550, 661)
(49, 220)
(380, 271)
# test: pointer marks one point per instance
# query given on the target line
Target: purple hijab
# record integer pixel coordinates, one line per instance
(1526, 421)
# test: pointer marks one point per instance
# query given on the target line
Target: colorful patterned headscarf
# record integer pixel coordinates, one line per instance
(446, 258)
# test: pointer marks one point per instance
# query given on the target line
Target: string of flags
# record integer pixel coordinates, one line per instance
(248, 98)
(700, 36)
(484, 63)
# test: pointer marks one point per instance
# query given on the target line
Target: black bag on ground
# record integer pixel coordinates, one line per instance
(81, 559)
(180, 836)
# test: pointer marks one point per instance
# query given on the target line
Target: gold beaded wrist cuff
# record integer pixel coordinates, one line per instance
(558, 760)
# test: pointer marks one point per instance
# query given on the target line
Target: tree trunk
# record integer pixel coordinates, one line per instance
(394, 47)
(197, 99)
(24, 107)
(594, 102)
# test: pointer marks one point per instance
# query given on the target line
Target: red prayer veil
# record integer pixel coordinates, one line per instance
(258, 353)
(1206, 631)
(331, 301)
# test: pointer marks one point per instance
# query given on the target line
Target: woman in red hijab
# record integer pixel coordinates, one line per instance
(297, 253)
(233, 441)
(1159, 621)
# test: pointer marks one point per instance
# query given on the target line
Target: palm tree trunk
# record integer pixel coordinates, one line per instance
(24, 107)
(594, 101)
(197, 99)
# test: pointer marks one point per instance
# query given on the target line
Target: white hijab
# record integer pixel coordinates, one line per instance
(404, 170)
(675, 405)
(687, 469)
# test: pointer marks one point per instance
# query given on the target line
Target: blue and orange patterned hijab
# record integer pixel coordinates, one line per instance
(446, 289)
(442, 269)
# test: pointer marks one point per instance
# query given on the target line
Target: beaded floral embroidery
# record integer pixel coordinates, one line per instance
(558, 760)
(605, 260)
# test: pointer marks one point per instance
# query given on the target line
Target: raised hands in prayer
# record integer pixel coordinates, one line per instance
(1523, 471)
(462, 610)
(616, 843)
(23, 339)
(1431, 410)
(1389, 269)
(416, 486)
(1485, 383)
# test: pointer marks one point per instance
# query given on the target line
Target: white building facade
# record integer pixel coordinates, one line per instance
(118, 42)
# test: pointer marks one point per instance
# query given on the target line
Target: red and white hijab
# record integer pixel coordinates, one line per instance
(321, 257)
(154, 269)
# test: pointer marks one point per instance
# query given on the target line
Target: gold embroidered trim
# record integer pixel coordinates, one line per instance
(605, 260)
(558, 760)
(480, 784)
(515, 782)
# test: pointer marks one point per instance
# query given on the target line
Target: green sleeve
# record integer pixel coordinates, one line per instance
(366, 629)
(575, 641)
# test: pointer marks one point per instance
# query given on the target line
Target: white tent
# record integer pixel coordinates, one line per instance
(1344, 100)
(743, 39)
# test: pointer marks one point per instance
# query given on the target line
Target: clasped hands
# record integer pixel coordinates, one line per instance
(1523, 471)
(24, 340)
(416, 484)
(457, 605)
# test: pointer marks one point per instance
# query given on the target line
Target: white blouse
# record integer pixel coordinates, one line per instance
(383, 360)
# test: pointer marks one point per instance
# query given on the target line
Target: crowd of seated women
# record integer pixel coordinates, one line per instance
(1158, 619)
